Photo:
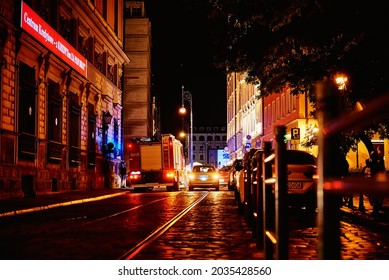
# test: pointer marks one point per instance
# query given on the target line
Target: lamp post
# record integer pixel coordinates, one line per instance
(187, 96)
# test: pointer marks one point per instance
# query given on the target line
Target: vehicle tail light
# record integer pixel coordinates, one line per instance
(169, 174)
(135, 175)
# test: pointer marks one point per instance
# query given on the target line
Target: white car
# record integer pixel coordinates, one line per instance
(203, 176)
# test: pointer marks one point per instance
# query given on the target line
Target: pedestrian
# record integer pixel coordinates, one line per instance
(123, 173)
(377, 166)
(380, 159)
(377, 161)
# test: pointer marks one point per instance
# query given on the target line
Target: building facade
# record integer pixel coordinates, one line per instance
(244, 116)
(137, 100)
(61, 102)
(209, 143)
(251, 118)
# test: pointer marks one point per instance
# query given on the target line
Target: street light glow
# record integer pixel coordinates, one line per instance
(341, 81)
(182, 110)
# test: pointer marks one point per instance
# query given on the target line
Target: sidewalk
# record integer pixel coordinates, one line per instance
(16, 206)
(362, 213)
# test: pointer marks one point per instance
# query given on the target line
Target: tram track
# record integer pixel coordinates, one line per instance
(77, 225)
(83, 223)
(130, 254)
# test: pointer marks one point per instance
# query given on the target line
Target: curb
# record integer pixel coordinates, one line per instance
(55, 205)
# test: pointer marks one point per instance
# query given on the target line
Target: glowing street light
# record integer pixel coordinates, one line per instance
(341, 81)
(187, 96)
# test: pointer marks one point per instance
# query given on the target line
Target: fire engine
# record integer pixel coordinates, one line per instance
(156, 163)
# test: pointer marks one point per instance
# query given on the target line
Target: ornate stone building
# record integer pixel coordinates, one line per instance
(209, 143)
(61, 101)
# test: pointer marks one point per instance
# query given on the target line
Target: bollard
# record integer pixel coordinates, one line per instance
(361, 206)
(275, 201)
(253, 196)
(248, 208)
(258, 198)
(281, 194)
(267, 204)
(328, 218)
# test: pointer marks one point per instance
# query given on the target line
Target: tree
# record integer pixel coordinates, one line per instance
(296, 43)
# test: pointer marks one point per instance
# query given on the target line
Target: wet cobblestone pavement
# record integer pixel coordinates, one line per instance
(217, 231)
(214, 231)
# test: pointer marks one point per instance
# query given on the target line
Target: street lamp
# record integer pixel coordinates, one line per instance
(187, 96)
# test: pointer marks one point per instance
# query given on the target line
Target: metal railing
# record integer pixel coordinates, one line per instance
(331, 185)
(266, 195)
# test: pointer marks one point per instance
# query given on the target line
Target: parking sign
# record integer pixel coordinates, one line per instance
(295, 133)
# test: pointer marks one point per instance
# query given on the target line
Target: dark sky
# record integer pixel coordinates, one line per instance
(181, 56)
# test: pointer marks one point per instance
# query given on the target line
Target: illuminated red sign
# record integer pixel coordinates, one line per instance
(45, 34)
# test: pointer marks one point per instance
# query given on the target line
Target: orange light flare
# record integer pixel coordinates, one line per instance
(182, 110)
(182, 134)
(341, 81)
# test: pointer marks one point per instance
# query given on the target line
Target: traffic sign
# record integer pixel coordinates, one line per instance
(295, 133)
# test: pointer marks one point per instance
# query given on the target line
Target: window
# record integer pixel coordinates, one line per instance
(91, 136)
(54, 123)
(27, 113)
(67, 29)
(74, 128)
(55, 112)
(201, 138)
(133, 10)
(209, 138)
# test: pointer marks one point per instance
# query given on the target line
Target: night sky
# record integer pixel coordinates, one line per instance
(181, 56)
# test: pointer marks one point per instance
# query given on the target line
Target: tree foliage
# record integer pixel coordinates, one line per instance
(296, 43)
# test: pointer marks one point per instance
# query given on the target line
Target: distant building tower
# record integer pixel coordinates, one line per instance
(137, 100)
